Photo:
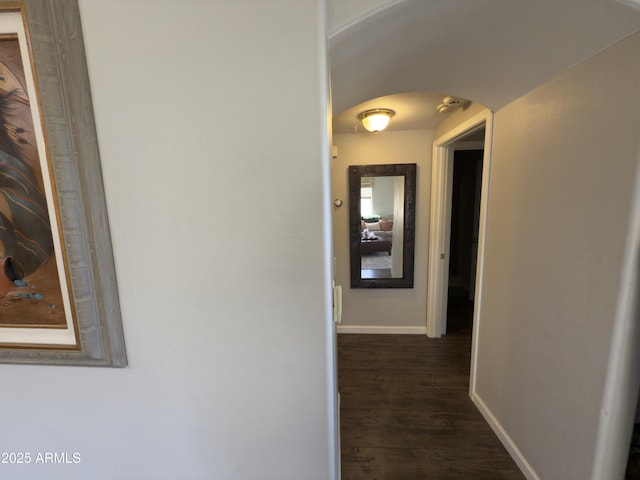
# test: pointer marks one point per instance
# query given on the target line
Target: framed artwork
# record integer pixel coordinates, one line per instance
(58, 291)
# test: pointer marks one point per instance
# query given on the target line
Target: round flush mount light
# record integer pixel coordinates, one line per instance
(377, 119)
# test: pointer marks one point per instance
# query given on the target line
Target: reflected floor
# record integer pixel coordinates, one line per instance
(376, 265)
(376, 261)
(375, 273)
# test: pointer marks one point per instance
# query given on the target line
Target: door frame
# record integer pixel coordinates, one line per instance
(440, 229)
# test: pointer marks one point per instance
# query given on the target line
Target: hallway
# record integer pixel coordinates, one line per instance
(406, 412)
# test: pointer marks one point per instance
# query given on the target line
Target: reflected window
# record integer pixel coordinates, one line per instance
(366, 197)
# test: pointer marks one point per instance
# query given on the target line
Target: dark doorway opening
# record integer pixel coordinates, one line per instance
(463, 247)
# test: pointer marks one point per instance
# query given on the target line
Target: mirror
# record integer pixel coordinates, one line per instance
(382, 205)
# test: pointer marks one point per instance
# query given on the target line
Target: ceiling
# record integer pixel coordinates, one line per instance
(488, 51)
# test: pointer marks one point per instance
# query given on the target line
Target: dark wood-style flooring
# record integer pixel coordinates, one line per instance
(406, 412)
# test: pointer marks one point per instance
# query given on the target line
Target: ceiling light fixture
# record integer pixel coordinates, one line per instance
(377, 119)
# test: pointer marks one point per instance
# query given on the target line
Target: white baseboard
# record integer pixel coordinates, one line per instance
(381, 329)
(506, 440)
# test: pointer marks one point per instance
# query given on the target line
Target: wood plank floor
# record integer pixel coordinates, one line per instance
(406, 412)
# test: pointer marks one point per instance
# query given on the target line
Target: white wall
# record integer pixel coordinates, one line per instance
(562, 179)
(403, 310)
(225, 298)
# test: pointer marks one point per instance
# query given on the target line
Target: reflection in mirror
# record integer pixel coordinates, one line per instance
(381, 201)
(382, 225)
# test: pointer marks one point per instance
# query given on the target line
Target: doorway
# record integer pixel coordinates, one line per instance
(463, 244)
(476, 129)
(465, 215)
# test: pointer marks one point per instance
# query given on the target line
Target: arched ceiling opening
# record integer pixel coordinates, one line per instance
(414, 111)
(489, 51)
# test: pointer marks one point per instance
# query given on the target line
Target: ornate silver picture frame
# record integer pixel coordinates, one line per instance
(58, 291)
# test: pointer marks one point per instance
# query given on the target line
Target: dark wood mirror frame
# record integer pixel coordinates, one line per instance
(356, 172)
